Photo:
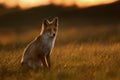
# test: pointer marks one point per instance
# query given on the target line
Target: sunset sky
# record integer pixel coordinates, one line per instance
(25, 4)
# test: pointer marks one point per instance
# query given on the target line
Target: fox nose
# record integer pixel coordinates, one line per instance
(54, 34)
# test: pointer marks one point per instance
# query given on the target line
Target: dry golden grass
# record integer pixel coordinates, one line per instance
(79, 54)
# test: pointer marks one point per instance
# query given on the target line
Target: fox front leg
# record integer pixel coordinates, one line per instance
(48, 60)
(43, 61)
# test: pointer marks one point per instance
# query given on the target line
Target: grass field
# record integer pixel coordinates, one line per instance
(86, 53)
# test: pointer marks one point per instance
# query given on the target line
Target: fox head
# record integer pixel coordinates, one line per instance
(50, 28)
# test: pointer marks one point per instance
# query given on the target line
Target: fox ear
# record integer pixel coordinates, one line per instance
(55, 21)
(45, 22)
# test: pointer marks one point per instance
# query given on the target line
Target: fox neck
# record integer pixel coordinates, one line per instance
(47, 40)
(46, 37)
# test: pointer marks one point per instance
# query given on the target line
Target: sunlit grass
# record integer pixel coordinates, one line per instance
(78, 54)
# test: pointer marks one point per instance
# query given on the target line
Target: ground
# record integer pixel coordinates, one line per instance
(84, 53)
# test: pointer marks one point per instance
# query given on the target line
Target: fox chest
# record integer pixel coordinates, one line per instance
(48, 45)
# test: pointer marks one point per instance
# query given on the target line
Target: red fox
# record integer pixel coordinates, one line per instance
(37, 53)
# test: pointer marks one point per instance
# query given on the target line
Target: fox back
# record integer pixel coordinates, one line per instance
(42, 46)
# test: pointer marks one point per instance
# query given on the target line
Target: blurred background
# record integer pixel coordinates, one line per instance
(85, 19)
(88, 41)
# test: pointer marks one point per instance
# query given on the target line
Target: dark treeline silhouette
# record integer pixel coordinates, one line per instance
(103, 14)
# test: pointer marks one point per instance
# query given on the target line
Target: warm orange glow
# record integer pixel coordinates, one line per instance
(63, 2)
(32, 3)
(88, 3)
(9, 3)
(24, 4)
